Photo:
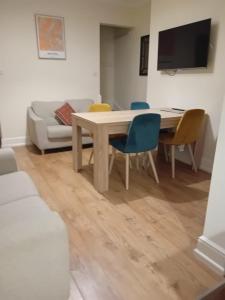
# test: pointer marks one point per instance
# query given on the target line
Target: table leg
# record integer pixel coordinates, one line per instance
(77, 147)
(101, 159)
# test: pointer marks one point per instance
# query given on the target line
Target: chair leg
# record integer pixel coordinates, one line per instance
(127, 171)
(91, 156)
(137, 161)
(145, 161)
(153, 166)
(112, 160)
(165, 152)
(173, 160)
(130, 163)
(192, 157)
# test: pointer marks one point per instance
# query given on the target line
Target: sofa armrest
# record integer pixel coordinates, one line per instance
(37, 129)
(7, 161)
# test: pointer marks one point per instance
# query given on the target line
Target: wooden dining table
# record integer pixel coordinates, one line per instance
(101, 125)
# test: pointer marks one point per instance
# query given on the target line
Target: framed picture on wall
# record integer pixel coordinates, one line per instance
(50, 37)
(144, 51)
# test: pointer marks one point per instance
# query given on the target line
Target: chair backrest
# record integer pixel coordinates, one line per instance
(100, 107)
(143, 133)
(139, 105)
(189, 127)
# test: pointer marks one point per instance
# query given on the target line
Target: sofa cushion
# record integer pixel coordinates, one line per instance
(63, 131)
(85, 132)
(15, 186)
(46, 110)
(80, 105)
(59, 132)
(19, 211)
(64, 114)
(34, 260)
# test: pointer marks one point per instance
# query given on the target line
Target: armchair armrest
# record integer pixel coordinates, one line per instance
(7, 161)
(35, 262)
(37, 129)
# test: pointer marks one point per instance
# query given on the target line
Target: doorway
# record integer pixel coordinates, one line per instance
(110, 65)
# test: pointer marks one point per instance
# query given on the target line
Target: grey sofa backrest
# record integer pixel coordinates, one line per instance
(80, 105)
(46, 110)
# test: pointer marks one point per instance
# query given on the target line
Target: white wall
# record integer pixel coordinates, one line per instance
(129, 86)
(211, 246)
(192, 88)
(107, 63)
(26, 78)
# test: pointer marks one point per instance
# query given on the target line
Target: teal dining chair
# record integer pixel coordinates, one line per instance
(142, 136)
(135, 106)
(139, 105)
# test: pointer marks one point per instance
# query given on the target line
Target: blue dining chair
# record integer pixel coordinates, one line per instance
(135, 106)
(142, 136)
(139, 105)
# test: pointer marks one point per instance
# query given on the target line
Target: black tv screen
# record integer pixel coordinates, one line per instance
(185, 46)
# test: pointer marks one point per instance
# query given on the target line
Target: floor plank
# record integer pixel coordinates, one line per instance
(135, 244)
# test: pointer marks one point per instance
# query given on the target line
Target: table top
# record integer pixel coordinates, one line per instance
(123, 115)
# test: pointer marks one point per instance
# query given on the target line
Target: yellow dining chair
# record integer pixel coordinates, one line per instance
(187, 133)
(98, 107)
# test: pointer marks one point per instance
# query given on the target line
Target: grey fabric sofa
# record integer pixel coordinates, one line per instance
(34, 256)
(44, 129)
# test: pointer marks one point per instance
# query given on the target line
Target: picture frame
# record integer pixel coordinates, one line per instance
(144, 52)
(50, 37)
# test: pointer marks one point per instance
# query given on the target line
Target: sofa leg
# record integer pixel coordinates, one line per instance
(42, 152)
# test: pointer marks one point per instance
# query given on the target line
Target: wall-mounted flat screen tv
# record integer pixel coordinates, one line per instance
(185, 46)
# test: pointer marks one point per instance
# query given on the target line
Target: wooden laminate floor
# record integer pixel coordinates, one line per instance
(127, 245)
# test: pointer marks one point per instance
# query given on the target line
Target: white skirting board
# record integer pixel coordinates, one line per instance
(22, 141)
(15, 142)
(211, 254)
(206, 165)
